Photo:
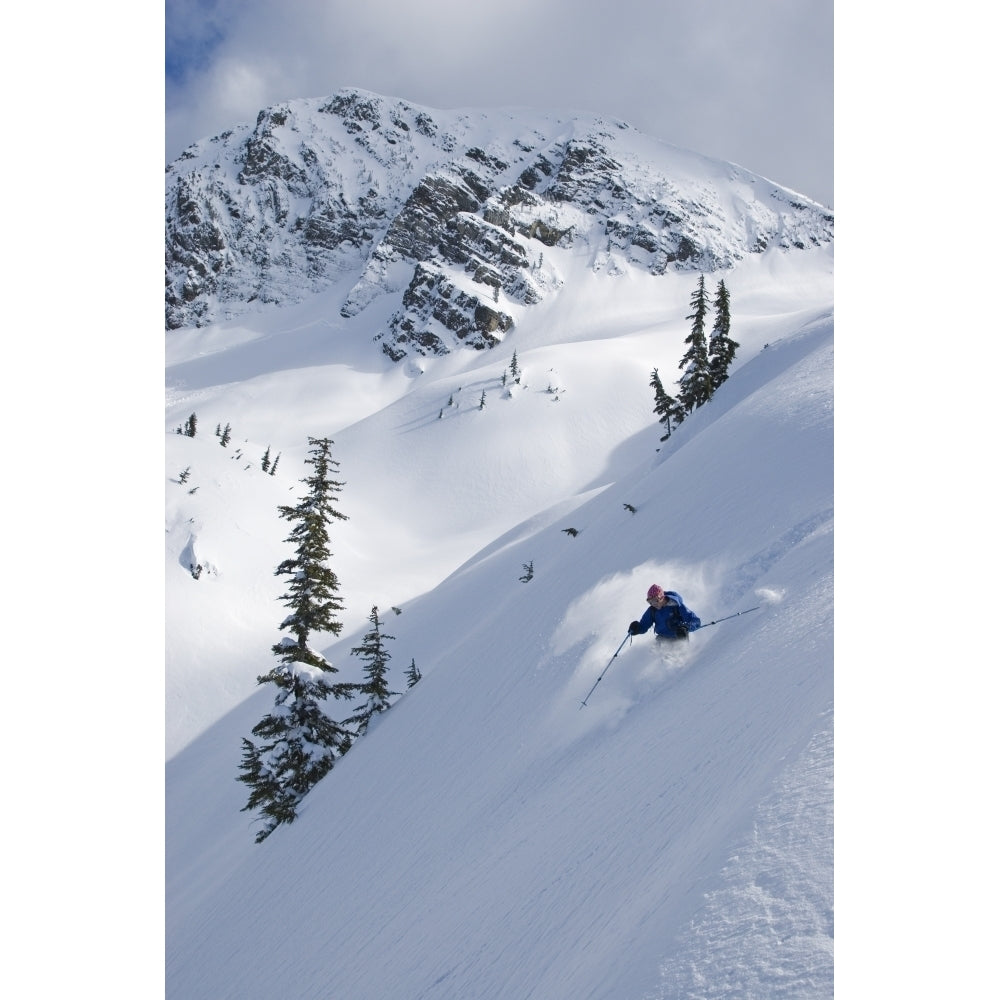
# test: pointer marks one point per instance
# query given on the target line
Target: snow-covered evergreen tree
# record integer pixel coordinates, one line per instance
(696, 382)
(721, 347)
(668, 409)
(297, 743)
(375, 687)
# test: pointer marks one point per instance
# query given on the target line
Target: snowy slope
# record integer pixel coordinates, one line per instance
(428, 484)
(489, 837)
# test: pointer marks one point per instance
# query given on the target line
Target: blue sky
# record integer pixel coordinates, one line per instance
(750, 83)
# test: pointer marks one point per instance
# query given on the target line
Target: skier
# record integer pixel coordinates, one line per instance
(667, 613)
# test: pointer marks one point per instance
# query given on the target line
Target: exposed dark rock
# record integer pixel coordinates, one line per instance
(435, 312)
(549, 235)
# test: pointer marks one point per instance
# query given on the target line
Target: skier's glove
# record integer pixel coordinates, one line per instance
(633, 628)
(682, 631)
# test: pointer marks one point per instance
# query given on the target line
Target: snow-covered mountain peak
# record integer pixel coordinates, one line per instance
(435, 225)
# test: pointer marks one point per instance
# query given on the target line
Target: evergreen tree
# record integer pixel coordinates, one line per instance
(375, 686)
(515, 372)
(696, 382)
(297, 742)
(265, 462)
(482, 400)
(412, 674)
(721, 347)
(312, 597)
(274, 464)
(668, 409)
(191, 426)
(226, 435)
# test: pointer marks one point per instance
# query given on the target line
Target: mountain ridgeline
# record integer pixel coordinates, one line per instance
(435, 224)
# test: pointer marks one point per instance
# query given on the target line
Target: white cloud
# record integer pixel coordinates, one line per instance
(748, 83)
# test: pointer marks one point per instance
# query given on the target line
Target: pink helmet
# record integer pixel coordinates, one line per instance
(654, 593)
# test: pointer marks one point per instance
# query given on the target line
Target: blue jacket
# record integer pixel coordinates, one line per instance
(666, 619)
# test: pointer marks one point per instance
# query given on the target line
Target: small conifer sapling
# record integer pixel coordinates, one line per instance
(375, 687)
(412, 674)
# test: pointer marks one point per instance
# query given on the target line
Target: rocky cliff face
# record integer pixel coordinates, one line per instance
(445, 217)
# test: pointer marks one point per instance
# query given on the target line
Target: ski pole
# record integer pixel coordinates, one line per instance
(738, 613)
(605, 670)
